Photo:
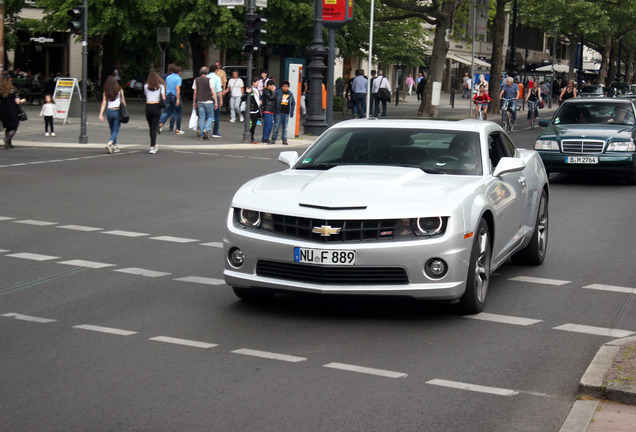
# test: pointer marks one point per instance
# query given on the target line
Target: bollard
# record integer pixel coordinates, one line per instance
(452, 98)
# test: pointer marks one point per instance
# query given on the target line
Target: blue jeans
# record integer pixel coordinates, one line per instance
(268, 124)
(533, 106)
(206, 116)
(513, 106)
(177, 115)
(171, 107)
(114, 123)
(217, 118)
(359, 104)
(280, 119)
(377, 108)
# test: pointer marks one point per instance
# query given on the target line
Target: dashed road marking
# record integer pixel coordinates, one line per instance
(365, 370)
(142, 272)
(4, 218)
(79, 228)
(599, 331)
(473, 387)
(612, 288)
(125, 233)
(101, 329)
(269, 355)
(4, 250)
(542, 281)
(213, 244)
(89, 264)
(235, 156)
(504, 319)
(174, 239)
(29, 318)
(201, 280)
(260, 158)
(210, 154)
(185, 342)
(33, 256)
(34, 222)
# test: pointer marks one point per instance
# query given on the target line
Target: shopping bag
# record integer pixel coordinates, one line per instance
(194, 120)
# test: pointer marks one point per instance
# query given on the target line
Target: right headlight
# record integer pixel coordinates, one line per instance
(622, 146)
(546, 145)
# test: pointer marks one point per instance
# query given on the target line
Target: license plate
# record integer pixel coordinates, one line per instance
(324, 256)
(582, 159)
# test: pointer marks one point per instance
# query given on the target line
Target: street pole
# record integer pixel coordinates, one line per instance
(247, 136)
(331, 59)
(513, 42)
(83, 138)
(472, 62)
(370, 57)
(315, 123)
(554, 44)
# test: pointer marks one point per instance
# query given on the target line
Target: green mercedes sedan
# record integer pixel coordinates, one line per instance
(590, 135)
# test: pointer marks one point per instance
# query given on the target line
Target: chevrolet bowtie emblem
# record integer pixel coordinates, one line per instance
(325, 230)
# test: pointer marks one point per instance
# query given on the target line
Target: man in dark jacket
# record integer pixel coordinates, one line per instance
(284, 109)
(269, 108)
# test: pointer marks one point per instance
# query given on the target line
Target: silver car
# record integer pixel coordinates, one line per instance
(418, 208)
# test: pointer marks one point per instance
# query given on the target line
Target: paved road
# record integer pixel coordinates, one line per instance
(114, 316)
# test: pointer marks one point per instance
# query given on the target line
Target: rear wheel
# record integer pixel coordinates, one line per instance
(478, 279)
(253, 294)
(534, 253)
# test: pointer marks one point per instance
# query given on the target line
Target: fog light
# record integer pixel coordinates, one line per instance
(236, 257)
(436, 268)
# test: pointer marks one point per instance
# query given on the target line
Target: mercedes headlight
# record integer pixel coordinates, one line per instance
(622, 146)
(546, 145)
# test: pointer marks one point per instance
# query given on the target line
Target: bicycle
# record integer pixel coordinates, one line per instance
(507, 116)
(346, 105)
(480, 113)
(532, 111)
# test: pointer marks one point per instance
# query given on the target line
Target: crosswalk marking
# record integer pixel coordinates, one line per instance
(141, 272)
(504, 319)
(365, 370)
(201, 280)
(29, 318)
(269, 355)
(79, 228)
(473, 387)
(185, 342)
(125, 233)
(101, 329)
(34, 222)
(89, 264)
(612, 288)
(33, 256)
(599, 331)
(539, 280)
(174, 239)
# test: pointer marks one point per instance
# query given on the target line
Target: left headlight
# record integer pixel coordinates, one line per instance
(424, 226)
(622, 146)
(546, 145)
(249, 218)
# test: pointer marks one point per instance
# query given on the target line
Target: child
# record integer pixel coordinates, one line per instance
(48, 111)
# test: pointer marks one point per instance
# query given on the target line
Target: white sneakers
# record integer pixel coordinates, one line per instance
(47, 134)
(153, 149)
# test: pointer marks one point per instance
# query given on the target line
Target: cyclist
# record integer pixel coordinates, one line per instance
(533, 97)
(509, 93)
(481, 100)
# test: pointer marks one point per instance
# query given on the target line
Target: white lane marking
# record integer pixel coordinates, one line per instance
(504, 319)
(261, 158)
(37, 162)
(210, 154)
(473, 387)
(28, 318)
(4, 218)
(125, 233)
(539, 280)
(599, 331)
(612, 288)
(185, 342)
(174, 239)
(79, 228)
(4, 250)
(101, 329)
(55, 160)
(18, 164)
(89, 264)
(269, 355)
(234, 156)
(35, 222)
(201, 280)
(142, 272)
(365, 370)
(213, 244)
(32, 256)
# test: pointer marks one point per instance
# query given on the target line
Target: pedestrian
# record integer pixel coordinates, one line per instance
(556, 89)
(113, 98)
(284, 109)
(236, 88)
(177, 111)
(521, 93)
(173, 96)
(303, 96)
(48, 111)
(374, 96)
(9, 110)
(203, 98)
(421, 86)
(262, 82)
(255, 107)
(510, 93)
(217, 75)
(409, 83)
(155, 92)
(466, 85)
(359, 90)
(268, 107)
(381, 83)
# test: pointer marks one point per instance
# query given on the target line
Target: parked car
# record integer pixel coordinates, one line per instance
(590, 135)
(592, 91)
(619, 88)
(416, 208)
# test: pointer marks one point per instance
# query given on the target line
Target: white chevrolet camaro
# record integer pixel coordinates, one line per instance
(419, 208)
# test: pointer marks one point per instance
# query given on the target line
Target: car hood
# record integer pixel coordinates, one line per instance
(591, 131)
(389, 191)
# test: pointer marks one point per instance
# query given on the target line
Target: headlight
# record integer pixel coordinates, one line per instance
(425, 226)
(249, 218)
(546, 145)
(624, 146)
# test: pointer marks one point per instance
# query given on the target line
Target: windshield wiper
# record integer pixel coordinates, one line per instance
(321, 166)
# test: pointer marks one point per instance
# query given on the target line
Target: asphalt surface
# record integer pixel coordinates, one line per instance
(585, 414)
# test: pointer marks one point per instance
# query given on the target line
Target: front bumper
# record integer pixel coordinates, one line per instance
(555, 161)
(407, 255)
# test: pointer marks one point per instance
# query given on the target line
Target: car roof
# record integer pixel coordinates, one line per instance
(424, 124)
(603, 100)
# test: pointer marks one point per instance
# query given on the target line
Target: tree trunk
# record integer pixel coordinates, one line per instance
(572, 55)
(198, 53)
(605, 55)
(611, 73)
(496, 61)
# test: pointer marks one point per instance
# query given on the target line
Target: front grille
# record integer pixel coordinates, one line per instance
(582, 146)
(350, 230)
(328, 275)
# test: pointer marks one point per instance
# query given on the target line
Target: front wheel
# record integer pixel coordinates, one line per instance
(478, 279)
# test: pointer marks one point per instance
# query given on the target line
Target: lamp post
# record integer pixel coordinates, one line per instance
(513, 42)
(315, 123)
(83, 138)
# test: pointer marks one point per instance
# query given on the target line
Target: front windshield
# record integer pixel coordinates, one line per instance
(433, 151)
(596, 112)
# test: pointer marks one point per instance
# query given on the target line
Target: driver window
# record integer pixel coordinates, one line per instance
(496, 149)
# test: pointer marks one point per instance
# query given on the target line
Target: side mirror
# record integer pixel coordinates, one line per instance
(288, 157)
(544, 122)
(508, 165)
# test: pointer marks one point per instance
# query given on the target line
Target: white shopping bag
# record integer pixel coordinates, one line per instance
(194, 120)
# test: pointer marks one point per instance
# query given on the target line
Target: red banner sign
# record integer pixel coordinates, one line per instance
(337, 13)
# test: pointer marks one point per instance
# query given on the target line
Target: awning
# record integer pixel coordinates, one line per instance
(466, 60)
(557, 68)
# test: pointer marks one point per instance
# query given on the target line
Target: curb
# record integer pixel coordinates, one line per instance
(293, 143)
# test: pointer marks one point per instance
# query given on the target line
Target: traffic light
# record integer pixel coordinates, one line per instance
(77, 17)
(253, 32)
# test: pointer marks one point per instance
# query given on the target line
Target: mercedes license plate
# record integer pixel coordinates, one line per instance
(324, 256)
(582, 159)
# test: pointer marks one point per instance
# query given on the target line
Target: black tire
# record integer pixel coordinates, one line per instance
(534, 253)
(478, 279)
(253, 294)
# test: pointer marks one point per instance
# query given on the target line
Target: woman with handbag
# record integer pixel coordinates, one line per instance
(155, 94)
(111, 102)
(10, 110)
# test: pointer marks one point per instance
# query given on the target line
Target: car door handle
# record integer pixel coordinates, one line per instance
(522, 180)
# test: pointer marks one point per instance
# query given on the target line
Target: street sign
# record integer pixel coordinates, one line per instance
(163, 34)
(42, 39)
(231, 3)
(65, 89)
(261, 3)
(336, 13)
